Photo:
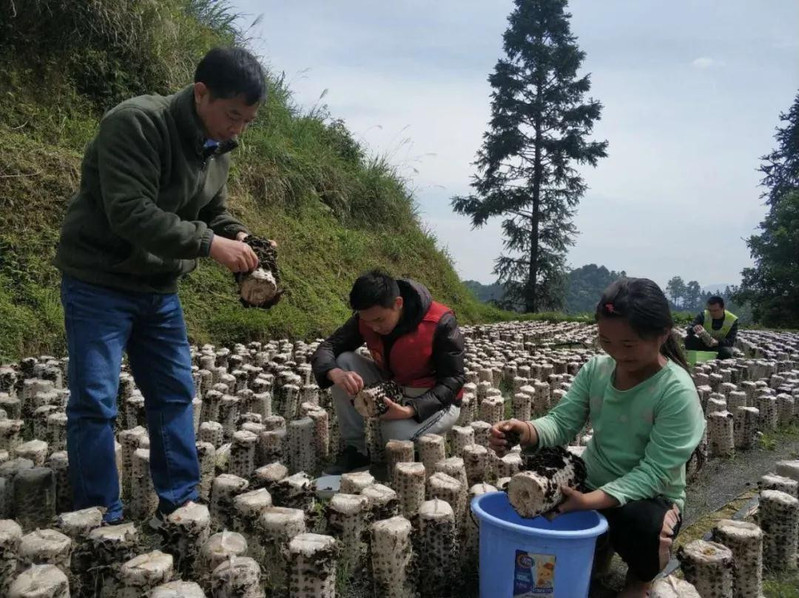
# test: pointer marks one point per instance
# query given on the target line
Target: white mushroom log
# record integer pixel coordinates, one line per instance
(178, 589)
(450, 490)
(778, 516)
(143, 573)
(295, 491)
(482, 432)
(242, 454)
(206, 455)
(346, 520)
(107, 549)
(35, 450)
(216, 550)
(383, 502)
(392, 558)
(35, 497)
(476, 462)
(79, 524)
(144, 500)
(773, 481)
(454, 467)
(720, 435)
(745, 427)
(459, 437)
(708, 566)
(409, 479)
(45, 547)
(398, 451)
(10, 539)
(356, 482)
(537, 490)
(789, 469)
(224, 490)
(313, 560)
(184, 532)
(508, 465)
(248, 508)
(40, 581)
(212, 432)
(268, 476)
(301, 445)
(745, 540)
(278, 525)
(673, 587)
(438, 549)
(237, 577)
(431, 450)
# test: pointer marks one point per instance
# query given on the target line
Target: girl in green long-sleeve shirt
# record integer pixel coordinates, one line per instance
(647, 421)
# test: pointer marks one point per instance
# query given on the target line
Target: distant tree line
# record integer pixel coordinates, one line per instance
(585, 284)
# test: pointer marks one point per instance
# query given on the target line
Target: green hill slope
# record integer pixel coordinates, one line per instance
(298, 177)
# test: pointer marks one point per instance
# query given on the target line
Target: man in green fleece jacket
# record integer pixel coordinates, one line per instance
(152, 200)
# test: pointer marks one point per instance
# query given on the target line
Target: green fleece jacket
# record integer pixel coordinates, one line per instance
(151, 198)
(643, 436)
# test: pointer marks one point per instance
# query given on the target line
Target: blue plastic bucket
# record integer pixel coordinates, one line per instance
(534, 557)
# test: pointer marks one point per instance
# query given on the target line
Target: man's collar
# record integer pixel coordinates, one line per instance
(191, 127)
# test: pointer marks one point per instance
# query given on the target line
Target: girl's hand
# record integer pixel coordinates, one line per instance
(498, 441)
(396, 411)
(575, 501)
(584, 501)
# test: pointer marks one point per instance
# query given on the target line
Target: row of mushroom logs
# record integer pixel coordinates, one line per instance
(731, 564)
(261, 423)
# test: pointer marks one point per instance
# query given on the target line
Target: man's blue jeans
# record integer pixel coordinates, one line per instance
(101, 323)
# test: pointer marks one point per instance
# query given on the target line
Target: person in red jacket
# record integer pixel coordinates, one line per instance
(413, 341)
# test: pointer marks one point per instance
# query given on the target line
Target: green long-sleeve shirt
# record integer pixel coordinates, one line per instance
(643, 436)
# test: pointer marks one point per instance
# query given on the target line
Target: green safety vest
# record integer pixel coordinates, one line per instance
(729, 319)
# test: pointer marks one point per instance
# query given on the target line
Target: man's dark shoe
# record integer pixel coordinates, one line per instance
(348, 460)
(157, 521)
(119, 521)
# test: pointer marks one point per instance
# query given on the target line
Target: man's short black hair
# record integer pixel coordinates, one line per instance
(228, 72)
(375, 287)
(716, 300)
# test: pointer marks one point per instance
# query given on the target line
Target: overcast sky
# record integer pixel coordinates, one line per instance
(691, 91)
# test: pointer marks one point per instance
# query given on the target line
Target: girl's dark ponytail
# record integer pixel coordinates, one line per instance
(671, 349)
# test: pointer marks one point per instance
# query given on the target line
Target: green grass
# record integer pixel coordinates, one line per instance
(781, 585)
(769, 440)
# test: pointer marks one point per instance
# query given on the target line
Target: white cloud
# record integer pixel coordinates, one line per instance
(705, 62)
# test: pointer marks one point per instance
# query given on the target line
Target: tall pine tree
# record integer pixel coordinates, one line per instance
(772, 285)
(538, 133)
(781, 167)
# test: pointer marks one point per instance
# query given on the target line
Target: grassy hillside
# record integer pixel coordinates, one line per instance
(298, 177)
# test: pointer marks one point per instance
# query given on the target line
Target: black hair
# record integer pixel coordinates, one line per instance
(375, 287)
(716, 300)
(228, 72)
(643, 304)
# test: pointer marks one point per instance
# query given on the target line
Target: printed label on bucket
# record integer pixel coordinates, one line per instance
(534, 575)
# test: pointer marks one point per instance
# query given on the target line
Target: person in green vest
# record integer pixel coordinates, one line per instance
(714, 329)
